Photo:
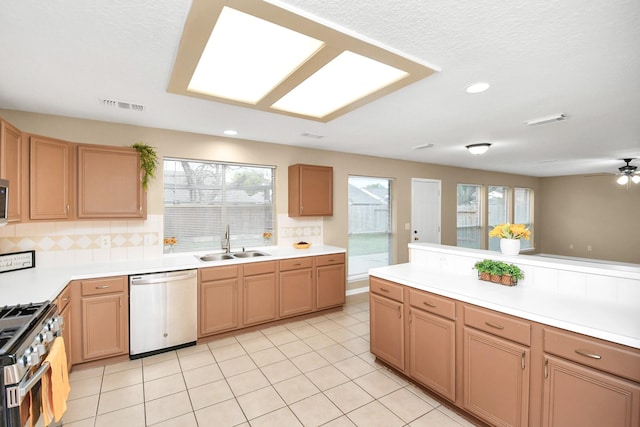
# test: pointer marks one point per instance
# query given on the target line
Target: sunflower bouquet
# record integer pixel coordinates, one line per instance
(510, 231)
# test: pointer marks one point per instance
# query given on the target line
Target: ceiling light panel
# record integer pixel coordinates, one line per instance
(240, 45)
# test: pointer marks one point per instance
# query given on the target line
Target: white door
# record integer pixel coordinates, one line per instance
(425, 210)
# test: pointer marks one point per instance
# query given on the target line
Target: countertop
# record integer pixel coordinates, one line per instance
(615, 322)
(40, 284)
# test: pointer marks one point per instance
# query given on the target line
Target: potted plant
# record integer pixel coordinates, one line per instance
(484, 269)
(511, 275)
(148, 162)
(498, 272)
(510, 235)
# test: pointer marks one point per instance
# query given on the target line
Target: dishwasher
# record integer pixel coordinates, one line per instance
(162, 312)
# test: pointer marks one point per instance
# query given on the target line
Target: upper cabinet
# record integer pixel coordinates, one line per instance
(12, 167)
(310, 190)
(51, 178)
(109, 183)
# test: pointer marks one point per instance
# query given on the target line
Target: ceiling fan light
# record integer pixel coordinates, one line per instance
(635, 179)
(478, 149)
(623, 180)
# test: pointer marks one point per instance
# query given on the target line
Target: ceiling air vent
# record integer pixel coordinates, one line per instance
(546, 120)
(122, 104)
(311, 135)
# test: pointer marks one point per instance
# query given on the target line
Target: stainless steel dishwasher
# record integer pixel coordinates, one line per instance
(162, 312)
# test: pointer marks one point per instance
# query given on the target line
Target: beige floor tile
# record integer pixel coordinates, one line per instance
(121, 398)
(335, 353)
(327, 377)
(283, 337)
(121, 379)
(360, 329)
(161, 369)
(210, 394)
(319, 341)
(296, 324)
(326, 326)
(295, 389)
(354, 367)
(280, 371)
(227, 352)
(341, 334)
(186, 420)
(315, 410)
(370, 359)
(377, 384)
(309, 361)
(454, 416)
(167, 407)
(434, 418)
(305, 331)
(163, 387)
(273, 330)
(374, 414)
(294, 348)
(256, 344)
(196, 360)
(122, 366)
(260, 402)
(89, 422)
(346, 320)
(132, 416)
(236, 366)
(227, 413)
(203, 375)
(84, 388)
(192, 349)
(282, 418)
(247, 382)
(317, 319)
(357, 345)
(267, 356)
(222, 342)
(362, 316)
(248, 336)
(405, 405)
(343, 421)
(348, 396)
(422, 395)
(394, 376)
(157, 358)
(83, 374)
(80, 409)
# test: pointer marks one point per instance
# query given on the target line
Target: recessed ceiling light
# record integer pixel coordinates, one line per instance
(477, 87)
(478, 149)
(230, 132)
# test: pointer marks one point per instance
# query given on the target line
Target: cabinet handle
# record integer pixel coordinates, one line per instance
(102, 287)
(546, 368)
(588, 354)
(399, 312)
(428, 304)
(410, 316)
(522, 359)
(65, 299)
(332, 260)
(296, 264)
(384, 290)
(67, 208)
(494, 325)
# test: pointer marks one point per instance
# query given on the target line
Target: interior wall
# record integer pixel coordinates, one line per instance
(189, 145)
(579, 212)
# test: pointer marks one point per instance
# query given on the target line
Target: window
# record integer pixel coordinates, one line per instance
(370, 237)
(523, 212)
(201, 198)
(469, 218)
(497, 211)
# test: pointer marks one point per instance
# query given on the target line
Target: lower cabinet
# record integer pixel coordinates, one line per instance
(296, 286)
(259, 293)
(63, 302)
(218, 300)
(387, 322)
(330, 280)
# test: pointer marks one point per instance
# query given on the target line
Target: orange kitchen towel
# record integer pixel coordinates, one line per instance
(35, 395)
(25, 409)
(55, 383)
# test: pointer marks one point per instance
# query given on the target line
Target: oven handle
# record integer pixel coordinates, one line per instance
(27, 384)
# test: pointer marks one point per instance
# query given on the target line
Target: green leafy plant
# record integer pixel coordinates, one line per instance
(513, 271)
(148, 162)
(498, 268)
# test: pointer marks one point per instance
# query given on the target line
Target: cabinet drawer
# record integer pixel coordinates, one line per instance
(64, 298)
(218, 273)
(498, 324)
(252, 269)
(432, 303)
(608, 357)
(386, 288)
(296, 263)
(107, 285)
(329, 259)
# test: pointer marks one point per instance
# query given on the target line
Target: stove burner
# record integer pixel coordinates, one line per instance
(16, 321)
(19, 310)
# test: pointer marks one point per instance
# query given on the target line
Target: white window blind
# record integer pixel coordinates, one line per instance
(202, 197)
(469, 219)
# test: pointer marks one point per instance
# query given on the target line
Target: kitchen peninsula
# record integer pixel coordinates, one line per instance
(560, 348)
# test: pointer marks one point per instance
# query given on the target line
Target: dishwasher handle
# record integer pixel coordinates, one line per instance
(144, 280)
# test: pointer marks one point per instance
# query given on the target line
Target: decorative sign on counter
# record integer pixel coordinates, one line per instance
(17, 261)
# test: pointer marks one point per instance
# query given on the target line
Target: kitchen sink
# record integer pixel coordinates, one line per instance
(215, 257)
(227, 256)
(249, 254)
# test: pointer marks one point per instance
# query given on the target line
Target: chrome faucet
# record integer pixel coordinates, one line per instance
(226, 243)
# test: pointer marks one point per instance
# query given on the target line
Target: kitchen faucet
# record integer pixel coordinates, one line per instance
(226, 243)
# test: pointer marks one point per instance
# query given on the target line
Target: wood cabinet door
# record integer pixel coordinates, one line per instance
(51, 172)
(296, 292)
(66, 333)
(387, 330)
(330, 285)
(11, 167)
(259, 298)
(104, 326)
(310, 190)
(218, 304)
(432, 352)
(109, 183)
(575, 395)
(496, 379)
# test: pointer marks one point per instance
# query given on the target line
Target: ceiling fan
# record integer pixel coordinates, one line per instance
(628, 173)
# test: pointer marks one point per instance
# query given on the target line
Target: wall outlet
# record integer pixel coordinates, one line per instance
(589, 248)
(105, 241)
(407, 226)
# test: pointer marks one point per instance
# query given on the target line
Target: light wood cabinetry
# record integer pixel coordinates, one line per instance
(296, 286)
(330, 280)
(63, 302)
(259, 293)
(218, 300)
(109, 183)
(100, 326)
(432, 342)
(387, 324)
(13, 164)
(589, 382)
(310, 190)
(51, 179)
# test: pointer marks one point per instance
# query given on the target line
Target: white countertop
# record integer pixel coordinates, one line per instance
(40, 284)
(616, 322)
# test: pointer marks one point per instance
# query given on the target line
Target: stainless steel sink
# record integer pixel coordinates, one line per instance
(249, 254)
(215, 257)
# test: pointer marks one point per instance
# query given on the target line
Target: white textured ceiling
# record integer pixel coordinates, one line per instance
(578, 57)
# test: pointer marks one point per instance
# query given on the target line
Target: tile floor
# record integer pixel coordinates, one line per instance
(313, 372)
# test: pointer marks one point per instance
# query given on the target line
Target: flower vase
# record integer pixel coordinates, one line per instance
(510, 246)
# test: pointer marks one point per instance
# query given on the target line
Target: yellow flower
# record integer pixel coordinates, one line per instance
(510, 231)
